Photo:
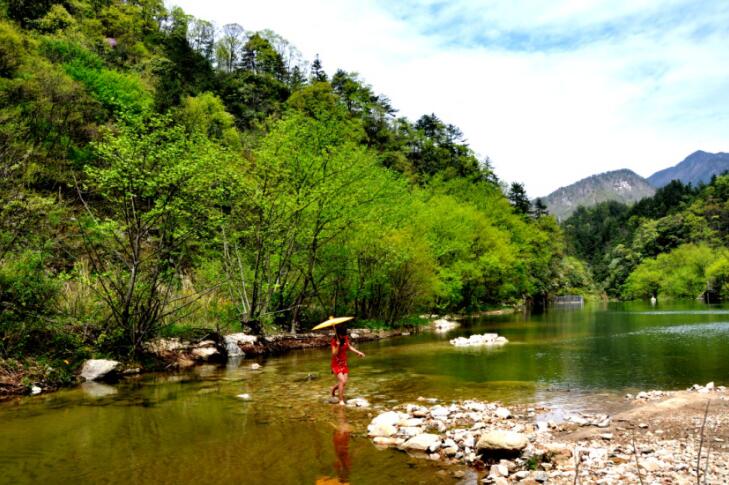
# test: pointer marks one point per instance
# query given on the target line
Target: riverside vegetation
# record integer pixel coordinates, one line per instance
(161, 176)
(671, 245)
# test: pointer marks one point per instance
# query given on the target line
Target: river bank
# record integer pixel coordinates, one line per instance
(655, 438)
(174, 353)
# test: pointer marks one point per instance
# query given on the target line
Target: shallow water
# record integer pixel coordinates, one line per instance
(191, 427)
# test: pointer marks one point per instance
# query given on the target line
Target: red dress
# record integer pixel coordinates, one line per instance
(339, 360)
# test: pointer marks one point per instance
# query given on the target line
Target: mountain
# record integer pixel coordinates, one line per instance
(621, 185)
(698, 167)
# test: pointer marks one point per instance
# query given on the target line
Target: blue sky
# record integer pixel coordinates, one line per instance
(552, 91)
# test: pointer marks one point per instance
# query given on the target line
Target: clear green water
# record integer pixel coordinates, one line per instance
(190, 427)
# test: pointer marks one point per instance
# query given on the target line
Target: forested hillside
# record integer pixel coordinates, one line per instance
(159, 171)
(673, 244)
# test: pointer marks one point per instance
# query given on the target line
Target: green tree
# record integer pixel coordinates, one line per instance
(158, 187)
(518, 198)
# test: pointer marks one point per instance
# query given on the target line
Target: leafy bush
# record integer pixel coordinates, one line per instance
(682, 273)
(27, 295)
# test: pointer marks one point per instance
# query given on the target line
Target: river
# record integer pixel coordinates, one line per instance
(190, 426)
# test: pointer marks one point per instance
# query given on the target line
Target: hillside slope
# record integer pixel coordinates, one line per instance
(620, 185)
(698, 167)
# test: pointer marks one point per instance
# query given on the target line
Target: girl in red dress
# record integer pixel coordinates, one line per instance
(340, 344)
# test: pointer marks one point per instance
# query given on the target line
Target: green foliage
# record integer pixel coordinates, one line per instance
(718, 275)
(12, 50)
(180, 181)
(205, 114)
(680, 273)
(158, 186)
(614, 238)
(27, 295)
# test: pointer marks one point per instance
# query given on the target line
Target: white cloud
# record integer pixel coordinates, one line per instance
(594, 98)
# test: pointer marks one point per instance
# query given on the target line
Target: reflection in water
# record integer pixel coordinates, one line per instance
(340, 439)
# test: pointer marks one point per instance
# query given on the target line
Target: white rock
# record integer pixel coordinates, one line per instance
(411, 430)
(451, 450)
(477, 340)
(358, 402)
(95, 369)
(389, 417)
(604, 423)
(232, 341)
(205, 353)
(381, 429)
(439, 412)
(521, 475)
(652, 464)
(387, 441)
(423, 442)
(245, 397)
(35, 390)
(255, 366)
(475, 406)
(503, 413)
(499, 440)
(710, 386)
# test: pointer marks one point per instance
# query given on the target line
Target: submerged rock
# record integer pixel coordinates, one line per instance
(96, 369)
(358, 402)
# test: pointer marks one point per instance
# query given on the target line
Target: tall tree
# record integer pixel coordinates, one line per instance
(227, 50)
(518, 198)
(317, 74)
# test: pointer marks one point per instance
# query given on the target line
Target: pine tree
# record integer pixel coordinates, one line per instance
(317, 72)
(518, 198)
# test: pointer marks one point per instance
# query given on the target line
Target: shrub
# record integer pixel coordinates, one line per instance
(27, 296)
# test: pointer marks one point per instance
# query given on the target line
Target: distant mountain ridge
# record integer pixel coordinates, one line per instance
(698, 167)
(623, 186)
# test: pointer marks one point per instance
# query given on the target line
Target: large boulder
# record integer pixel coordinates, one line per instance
(498, 441)
(97, 369)
(235, 342)
(423, 442)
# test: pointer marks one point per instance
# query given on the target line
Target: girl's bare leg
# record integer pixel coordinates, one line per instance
(342, 382)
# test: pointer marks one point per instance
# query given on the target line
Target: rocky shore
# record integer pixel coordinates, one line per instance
(179, 353)
(658, 438)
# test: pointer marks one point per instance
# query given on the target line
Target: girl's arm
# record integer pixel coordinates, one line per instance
(335, 347)
(351, 347)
